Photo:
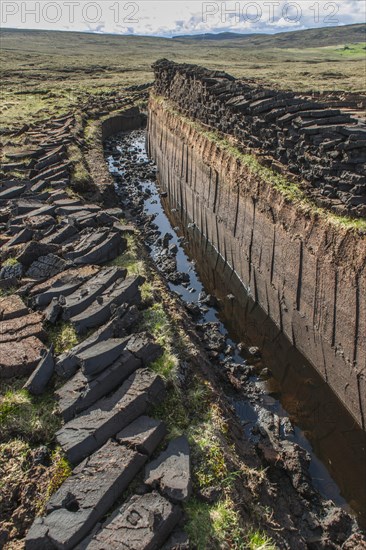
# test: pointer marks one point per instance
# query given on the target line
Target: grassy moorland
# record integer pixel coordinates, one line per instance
(45, 73)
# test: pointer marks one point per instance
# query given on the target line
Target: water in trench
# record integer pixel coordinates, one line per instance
(282, 381)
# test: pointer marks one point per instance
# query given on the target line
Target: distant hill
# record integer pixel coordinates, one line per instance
(216, 36)
(310, 38)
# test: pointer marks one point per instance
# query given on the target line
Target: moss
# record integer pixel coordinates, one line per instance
(211, 468)
(61, 470)
(7, 291)
(63, 336)
(10, 262)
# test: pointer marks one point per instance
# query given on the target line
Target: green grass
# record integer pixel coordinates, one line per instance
(23, 416)
(351, 50)
(218, 526)
(77, 68)
(190, 411)
(165, 365)
(199, 524)
(130, 259)
(214, 525)
(156, 321)
(257, 540)
(174, 413)
(80, 177)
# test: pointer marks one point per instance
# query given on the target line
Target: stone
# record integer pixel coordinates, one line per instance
(13, 330)
(67, 201)
(179, 540)
(38, 380)
(21, 359)
(12, 307)
(60, 236)
(142, 523)
(33, 250)
(144, 434)
(83, 219)
(79, 393)
(53, 310)
(116, 212)
(84, 273)
(62, 287)
(87, 241)
(12, 192)
(67, 363)
(44, 222)
(98, 357)
(126, 317)
(124, 228)
(84, 498)
(14, 271)
(144, 347)
(37, 187)
(66, 210)
(24, 206)
(171, 471)
(46, 266)
(52, 158)
(120, 292)
(23, 236)
(91, 429)
(89, 291)
(109, 249)
(47, 210)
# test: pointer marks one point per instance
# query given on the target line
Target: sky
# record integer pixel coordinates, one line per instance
(176, 17)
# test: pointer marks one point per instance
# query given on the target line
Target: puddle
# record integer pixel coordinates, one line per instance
(282, 381)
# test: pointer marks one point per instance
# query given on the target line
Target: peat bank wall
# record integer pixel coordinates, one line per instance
(258, 198)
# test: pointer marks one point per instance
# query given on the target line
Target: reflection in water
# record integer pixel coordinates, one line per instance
(322, 425)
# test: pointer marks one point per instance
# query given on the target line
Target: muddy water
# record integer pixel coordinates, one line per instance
(291, 388)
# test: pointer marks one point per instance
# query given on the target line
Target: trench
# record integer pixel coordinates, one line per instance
(280, 387)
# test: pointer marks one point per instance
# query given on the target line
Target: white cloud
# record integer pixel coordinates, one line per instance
(168, 18)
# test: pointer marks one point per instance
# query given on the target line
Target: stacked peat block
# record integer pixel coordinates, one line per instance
(323, 145)
(57, 246)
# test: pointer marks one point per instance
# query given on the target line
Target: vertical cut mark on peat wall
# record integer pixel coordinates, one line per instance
(357, 317)
(334, 325)
(299, 278)
(273, 253)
